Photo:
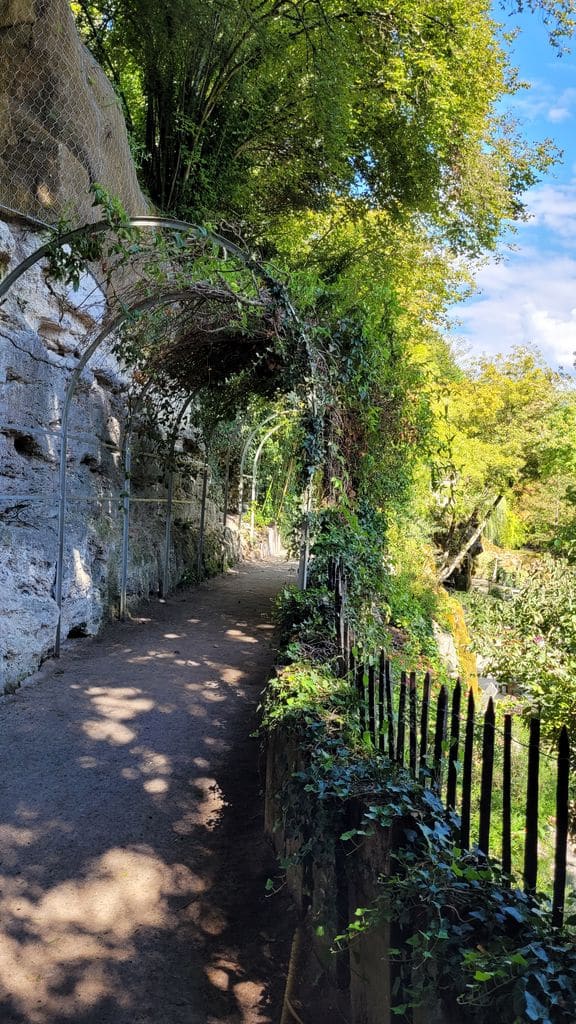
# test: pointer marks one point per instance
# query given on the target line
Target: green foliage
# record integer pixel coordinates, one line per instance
(305, 620)
(260, 107)
(485, 949)
(306, 696)
(495, 425)
(528, 633)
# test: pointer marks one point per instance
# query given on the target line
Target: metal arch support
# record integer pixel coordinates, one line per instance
(151, 302)
(305, 544)
(225, 510)
(125, 523)
(169, 497)
(267, 436)
(202, 519)
(126, 497)
(246, 449)
(102, 227)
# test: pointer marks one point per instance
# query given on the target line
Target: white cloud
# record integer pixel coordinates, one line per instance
(526, 301)
(541, 100)
(563, 108)
(554, 207)
(558, 114)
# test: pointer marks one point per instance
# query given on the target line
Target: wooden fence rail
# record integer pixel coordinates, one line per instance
(423, 733)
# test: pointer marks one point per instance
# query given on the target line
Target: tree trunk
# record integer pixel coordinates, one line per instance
(455, 562)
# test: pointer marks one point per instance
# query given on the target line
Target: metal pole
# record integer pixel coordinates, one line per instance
(167, 535)
(126, 523)
(226, 488)
(169, 498)
(202, 521)
(225, 510)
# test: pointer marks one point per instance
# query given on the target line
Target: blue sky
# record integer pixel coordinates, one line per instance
(529, 297)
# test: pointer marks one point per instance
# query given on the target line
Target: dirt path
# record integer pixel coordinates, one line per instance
(132, 858)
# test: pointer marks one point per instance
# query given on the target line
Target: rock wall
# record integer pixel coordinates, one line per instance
(61, 125)
(61, 130)
(43, 328)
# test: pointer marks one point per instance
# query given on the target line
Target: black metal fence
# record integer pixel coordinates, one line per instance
(436, 736)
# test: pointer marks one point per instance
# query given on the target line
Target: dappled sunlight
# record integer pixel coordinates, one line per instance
(204, 807)
(208, 918)
(155, 786)
(238, 634)
(229, 674)
(129, 873)
(115, 705)
(14, 839)
(248, 994)
(218, 977)
(108, 732)
(59, 949)
(216, 744)
(120, 704)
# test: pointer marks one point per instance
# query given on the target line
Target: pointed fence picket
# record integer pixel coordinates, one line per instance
(403, 721)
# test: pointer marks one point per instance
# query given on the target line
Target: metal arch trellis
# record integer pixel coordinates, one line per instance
(103, 227)
(150, 302)
(245, 451)
(170, 493)
(165, 297)
(255, 465)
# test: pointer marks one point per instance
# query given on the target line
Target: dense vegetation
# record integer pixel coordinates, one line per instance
(362, 152)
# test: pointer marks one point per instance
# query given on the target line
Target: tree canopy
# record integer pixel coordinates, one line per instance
(363, 151)
(241, 110)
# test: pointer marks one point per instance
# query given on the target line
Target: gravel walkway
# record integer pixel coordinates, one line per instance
(133, 863)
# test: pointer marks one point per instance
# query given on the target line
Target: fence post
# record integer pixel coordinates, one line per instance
(413, 737)
(439, 737)
(371, 701)
(454, 747)
(361, 695)
(487, 776)
(467, 774)
(507, 798)
(424, 723)
(381, 682)
(562, 798)
(401, 732)
(531, 847)
(389, 711)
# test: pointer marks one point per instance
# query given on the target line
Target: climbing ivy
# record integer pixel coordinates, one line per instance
(467, 937)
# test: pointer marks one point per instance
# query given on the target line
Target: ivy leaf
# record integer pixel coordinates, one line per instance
(534, 1008)
(483, 975)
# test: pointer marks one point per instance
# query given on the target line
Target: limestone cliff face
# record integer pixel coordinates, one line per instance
(61, 126)
(61, 129)
(42, 331)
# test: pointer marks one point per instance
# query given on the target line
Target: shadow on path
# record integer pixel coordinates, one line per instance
(133, 862)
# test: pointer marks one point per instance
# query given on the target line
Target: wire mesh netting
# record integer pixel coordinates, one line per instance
(61, 126)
